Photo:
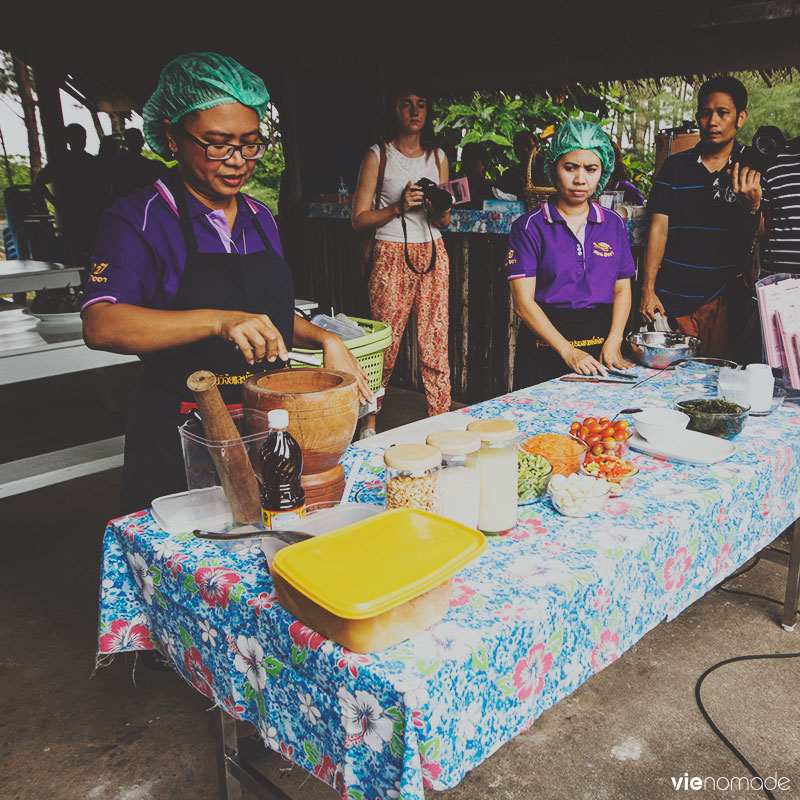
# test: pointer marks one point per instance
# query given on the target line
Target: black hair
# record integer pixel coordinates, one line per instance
(388, 128)
(726, 84)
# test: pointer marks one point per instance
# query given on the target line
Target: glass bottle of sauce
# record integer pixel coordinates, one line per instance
(497, 465)
(459, 480)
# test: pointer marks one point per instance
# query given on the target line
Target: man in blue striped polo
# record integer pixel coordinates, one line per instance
(704, 208)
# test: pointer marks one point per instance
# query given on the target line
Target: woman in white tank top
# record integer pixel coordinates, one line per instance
(410, 269)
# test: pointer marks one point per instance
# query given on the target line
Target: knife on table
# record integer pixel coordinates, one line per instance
(594, 379)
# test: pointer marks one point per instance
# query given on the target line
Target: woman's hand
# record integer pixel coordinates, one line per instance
(611, 356)
(253, 334)
(581, 362)
(337, 356)
(650, 305)
(412, 197)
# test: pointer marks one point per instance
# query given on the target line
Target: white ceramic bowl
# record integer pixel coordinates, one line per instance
(658, 425)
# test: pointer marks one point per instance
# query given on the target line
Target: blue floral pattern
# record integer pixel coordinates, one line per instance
(546, 606)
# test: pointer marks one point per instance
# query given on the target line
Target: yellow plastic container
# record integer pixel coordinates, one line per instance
(372, 584)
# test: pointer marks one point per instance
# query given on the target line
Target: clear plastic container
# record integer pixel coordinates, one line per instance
(412, 477)
(498, 468)
(459, 480)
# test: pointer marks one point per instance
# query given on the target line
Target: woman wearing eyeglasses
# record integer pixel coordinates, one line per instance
(188, 273)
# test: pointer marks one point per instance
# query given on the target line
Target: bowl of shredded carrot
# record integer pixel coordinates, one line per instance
(563, 451)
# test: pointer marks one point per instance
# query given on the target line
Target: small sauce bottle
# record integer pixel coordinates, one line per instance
(283, 500)
(497, 464)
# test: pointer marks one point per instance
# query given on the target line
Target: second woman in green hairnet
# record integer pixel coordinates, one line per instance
(188, 273)
(570, 265)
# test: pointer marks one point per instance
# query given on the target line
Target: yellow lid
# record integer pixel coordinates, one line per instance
(412, 457)
(455, 443)
(494, 430)
(379, 563)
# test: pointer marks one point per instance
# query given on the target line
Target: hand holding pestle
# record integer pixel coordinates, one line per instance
(233, 465)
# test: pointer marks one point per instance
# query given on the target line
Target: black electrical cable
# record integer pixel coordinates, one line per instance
(724, 739)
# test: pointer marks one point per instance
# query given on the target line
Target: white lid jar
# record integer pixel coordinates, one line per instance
(412, 477)
(459, 480)
(497, 465)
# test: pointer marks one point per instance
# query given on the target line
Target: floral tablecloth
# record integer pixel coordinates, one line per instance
(544, 608)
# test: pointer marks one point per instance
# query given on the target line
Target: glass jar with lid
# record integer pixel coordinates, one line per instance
(459, 480)
(412, 477)
(497, 465)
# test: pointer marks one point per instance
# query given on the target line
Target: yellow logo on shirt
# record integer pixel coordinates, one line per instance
(602, 249)
(510, 258)
(97, 268)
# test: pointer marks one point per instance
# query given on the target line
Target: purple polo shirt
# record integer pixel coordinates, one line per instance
(140, 252)
(571, 271)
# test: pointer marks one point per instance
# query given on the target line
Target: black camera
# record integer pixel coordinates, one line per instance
(439, 198)
(768, 141)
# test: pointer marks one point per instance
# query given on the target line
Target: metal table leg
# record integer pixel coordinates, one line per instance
(234, 771)
(789, 617)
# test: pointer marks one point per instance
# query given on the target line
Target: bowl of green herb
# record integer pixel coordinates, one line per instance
(713, 416)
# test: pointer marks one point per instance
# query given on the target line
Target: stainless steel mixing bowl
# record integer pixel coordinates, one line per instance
(658, 350)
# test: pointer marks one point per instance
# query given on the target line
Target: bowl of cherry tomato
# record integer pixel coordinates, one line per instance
(602, 436)
(618, 473)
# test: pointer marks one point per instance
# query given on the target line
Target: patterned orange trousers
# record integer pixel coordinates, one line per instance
(393, 290)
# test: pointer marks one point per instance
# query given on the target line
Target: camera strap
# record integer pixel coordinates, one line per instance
(405, 240)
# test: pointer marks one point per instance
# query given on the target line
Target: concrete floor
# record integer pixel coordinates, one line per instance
(125, 734)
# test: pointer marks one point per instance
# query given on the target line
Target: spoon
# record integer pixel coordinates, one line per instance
(626, 411)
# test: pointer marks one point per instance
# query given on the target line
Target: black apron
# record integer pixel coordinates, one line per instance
(260, 283)
(536, 362)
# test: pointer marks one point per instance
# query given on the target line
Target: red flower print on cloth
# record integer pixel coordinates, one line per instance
(675, 568)
(723, 559)
(462, 594)
(232, 707)
(199, 674)
(264, 602)
(601, 599)
(530, 527)
(431, 770)
(173, 563)
(325, 770)
(352, 661)
(617, 507)
(783, 464)
(287, 750)
(303, 636)
(215, 585)
(606, 652)
(508, 612)
(529, 672)
(123, 635)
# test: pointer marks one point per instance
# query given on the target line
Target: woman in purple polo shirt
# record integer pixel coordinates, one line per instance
(188, 272)
(570, 265)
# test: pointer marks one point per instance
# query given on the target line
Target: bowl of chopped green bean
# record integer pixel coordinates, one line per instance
(713, 416)
(533, 475)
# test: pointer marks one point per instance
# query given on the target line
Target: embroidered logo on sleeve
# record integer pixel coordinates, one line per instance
(98, 267)
(510, 258)
(602, 249)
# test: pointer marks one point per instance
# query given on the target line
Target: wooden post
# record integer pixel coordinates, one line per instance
(29, 114)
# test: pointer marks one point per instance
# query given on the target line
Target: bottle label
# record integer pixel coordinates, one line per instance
(282, 520)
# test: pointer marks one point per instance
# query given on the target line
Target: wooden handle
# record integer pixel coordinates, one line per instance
(233, 465)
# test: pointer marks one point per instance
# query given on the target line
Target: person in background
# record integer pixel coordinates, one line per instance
(782, 204)
(133, 170)
(474, 160)
(79, 193)
(513, 180)
(410, 264)
(188, 272)
(620, 181)
(570, 264)
(703, 211)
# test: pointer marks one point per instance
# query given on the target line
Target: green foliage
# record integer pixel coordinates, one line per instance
(266, 178)
(777, 105)
(20, 171)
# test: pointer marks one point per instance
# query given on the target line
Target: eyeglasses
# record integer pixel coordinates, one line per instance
(222, 152)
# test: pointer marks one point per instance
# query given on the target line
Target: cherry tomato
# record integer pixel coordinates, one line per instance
(584, 433)
(575, 428)
(605, 426)
(588, 421)
(621, 424)
(594, 427)
(598, 450)
(621, 436)
(593, 439)
(604, 421)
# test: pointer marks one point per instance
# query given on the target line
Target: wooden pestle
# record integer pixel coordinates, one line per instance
(233, 465)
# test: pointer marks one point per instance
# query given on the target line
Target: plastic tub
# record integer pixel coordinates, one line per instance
(562, 465)
(376, 582)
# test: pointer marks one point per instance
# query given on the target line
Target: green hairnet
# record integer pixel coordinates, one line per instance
(577, 134)
(194, 82)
